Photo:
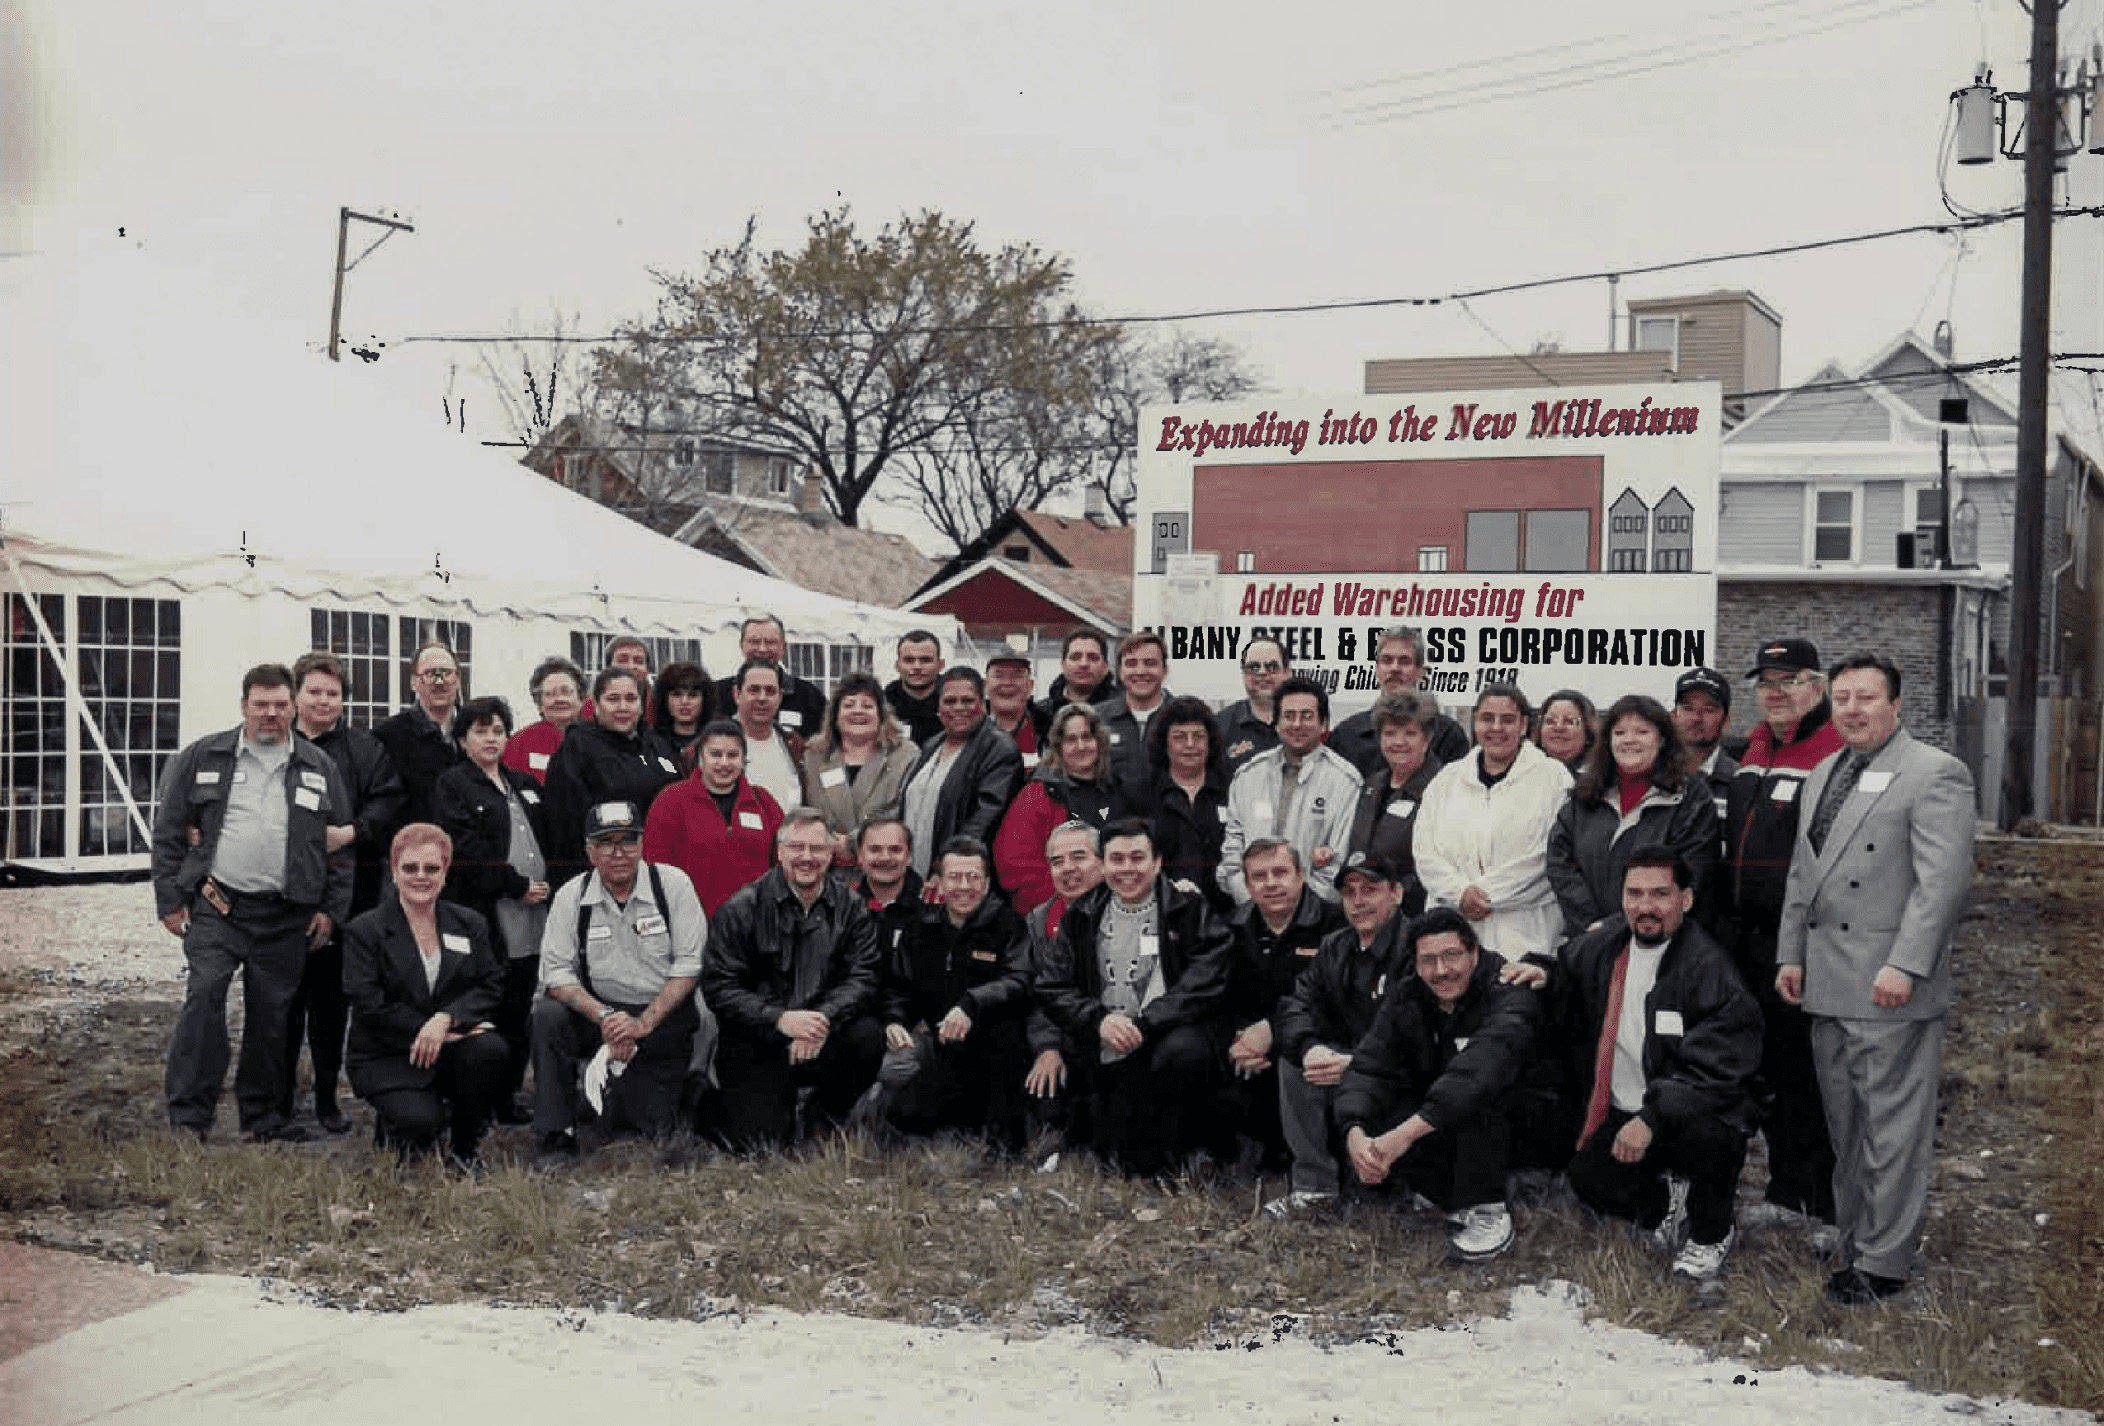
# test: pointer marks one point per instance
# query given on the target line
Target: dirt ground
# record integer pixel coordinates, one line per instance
(88, 983)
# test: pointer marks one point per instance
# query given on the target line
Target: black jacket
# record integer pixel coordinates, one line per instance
(376, 795)
(1386, 823)
(984, 778)
(593, 765)
(1129, 753)
(1196, 957)
(383, 977)
(1356, 740)
(478, 819)
(420, 751)
(1056, 697)
(1334, 1001)
(1188, 833)
(1446, 1067)
(1243, 734)
(1701, 1069)
(921, 716)
(1589, 847)
(896, 921)
(981, 967)
(193, 795)
(1267, 966)
(766, 954)
(1762, 813)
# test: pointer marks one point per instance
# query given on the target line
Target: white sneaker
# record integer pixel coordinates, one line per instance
(1481, 1232)
(1703, 1261)
(1299, 1201)
(1672, 1230)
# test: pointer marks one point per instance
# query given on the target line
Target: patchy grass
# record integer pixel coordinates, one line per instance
(940, 1233)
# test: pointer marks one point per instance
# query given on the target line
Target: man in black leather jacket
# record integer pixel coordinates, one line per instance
(791, 973)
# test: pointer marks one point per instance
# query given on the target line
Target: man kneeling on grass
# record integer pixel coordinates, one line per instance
(1663, 1038)
(1443, 1066)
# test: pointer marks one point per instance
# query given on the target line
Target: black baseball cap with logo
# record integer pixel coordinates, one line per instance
(1795, 655)
(612, 819)
(1705, 680)
(1371, 865)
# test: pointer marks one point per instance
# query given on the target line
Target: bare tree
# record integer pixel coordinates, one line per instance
(1167, 367)
(536, 379)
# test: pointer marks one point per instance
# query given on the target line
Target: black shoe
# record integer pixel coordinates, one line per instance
(330, 1117)
(288, 1133)
(1853, 1287)
(555, 1150)
(512, 1110)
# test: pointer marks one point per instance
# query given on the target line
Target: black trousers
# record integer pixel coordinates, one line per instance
(1151, 1109)
(644, 1098)
(522, 976)
(757, 1109)
(469, 1076)
(266, 940)
(320, 1013)
(975, 1084)
(1793, 1112)
(1707, 1152)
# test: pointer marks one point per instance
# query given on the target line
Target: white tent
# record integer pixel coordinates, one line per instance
(186, 495)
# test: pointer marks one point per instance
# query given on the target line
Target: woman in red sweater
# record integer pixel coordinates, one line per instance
(715, 826)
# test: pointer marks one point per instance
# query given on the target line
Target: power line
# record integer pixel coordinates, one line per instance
(1955, 225)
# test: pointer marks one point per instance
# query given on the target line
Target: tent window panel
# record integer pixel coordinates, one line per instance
(33, 774)
(588, 650)
(132, 686)
(849, 658)
(360, 641)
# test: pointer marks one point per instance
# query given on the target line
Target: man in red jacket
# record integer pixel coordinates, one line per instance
(716, 826)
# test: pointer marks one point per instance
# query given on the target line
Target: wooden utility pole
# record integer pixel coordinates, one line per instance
(2026, 595)
(343, 236)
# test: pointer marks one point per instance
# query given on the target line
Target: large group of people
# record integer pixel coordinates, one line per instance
(1398, 959)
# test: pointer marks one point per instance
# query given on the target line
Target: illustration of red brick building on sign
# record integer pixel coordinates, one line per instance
(1466, 516)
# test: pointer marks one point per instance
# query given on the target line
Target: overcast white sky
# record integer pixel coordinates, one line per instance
(1181, 155)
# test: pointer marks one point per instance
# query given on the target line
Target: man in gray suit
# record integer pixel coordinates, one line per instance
(1879, 877)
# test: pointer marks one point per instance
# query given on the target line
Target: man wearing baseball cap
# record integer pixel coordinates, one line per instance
(1701, 708)
(620, 955)
(1009, 683)
(1796, 733)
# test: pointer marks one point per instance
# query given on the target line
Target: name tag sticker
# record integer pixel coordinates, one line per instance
(1261, 814)
(1403, 808)
(1785, 791)
(1875, 782)
(453, 941)
(306, 798)
(749, 819)
(1668, 1023)
(241, 777)
(529, 795)
(537, 761)
(1460, 1043)
(1149, 946)
(667, 765)
(1029, 760)
(1116, 737)
(791, 719)
(651, 925)
(599, 933)
(833, 777)
(207, 776)
(984, 956)
(314, 780)
(1221, 813)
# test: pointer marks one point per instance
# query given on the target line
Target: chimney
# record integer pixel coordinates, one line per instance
(1944, 341)
(1095, 506)
(811, 502)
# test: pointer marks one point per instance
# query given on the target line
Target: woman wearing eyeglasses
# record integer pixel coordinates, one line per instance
(423, 982)
(419, 739)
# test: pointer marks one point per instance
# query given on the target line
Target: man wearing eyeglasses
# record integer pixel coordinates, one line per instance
(619, 958)
(1249, 725)
(1796, 734)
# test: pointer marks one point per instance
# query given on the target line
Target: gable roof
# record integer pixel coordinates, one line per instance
(818, 553)
(1096, 598)
(1060, 542)
(1895, 392)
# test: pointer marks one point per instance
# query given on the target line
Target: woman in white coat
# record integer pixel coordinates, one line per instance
(1483, 831)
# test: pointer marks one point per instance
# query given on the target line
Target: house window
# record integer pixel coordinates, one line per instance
(1431, 559)
(683, 452)
(1019, 553)
(1493, 540)
(1630, 560)
(1672, 561)
(1245, 561)
(359, 641)
(719, 472)
(1659, 334)
(1559, 540)
(779, 470)
(456, 634)
(1833, 526)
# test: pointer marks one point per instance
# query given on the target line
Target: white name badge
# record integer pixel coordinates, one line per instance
(1460, 1043)
(1668, 1023)
(537, 761)
(241, 777)
(1116, 737)
(453, 941)
(1149, 945)
(1221, 813)
(750, 820)
(207, 776)
(314, 780)
(652, 925)
(599, 933)
(1403, 808)
(529, 795)
(791, 719)
(667, 765)
(1029, 760)
(307, 799)
(1785, 792)
(1261, 814)
(833, 777)
(1874, 782)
